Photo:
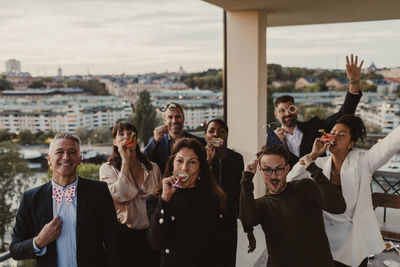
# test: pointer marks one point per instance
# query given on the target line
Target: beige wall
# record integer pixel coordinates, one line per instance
(246, 83)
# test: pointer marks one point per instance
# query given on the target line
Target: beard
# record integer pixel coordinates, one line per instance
(176, 128)
(289, 121)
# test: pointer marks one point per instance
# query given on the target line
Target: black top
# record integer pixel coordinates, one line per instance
(187, 229)
(292, 220)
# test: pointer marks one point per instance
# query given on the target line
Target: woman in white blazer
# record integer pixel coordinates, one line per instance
(355, 234)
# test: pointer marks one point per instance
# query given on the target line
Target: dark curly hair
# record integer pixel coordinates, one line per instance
(356, 126)
(115, 158)
(208, 187)
(279, 150)
(220, 122)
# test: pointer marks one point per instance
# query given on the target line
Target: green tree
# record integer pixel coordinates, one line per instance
(83, 133)
(37, 84)
(87, 170)
(5, 135)
(93, 87)
(101, 135)
(5, 84)
(312, 88)
(145, 117)
(317, 111)
(14, 178)
(26, 137)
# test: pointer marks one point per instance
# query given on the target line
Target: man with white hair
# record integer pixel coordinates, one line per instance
(69, 221)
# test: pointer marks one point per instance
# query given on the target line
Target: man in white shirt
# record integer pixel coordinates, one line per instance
(299, 136)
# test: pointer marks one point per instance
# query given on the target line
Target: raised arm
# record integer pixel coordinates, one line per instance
(381, 152)
(249, 212)
(353, 96)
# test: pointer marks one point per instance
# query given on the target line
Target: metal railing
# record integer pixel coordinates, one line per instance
(5, 256)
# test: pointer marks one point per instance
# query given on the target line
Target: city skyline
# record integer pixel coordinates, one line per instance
(136, 37)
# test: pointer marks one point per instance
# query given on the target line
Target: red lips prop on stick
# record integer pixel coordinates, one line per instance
(131, 141)
(325, 137)
(180, 176)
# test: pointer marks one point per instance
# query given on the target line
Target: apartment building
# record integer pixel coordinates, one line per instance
(66, 113)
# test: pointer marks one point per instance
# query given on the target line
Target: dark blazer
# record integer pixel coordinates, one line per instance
(159, 153)
(310, 128)
(96, 225)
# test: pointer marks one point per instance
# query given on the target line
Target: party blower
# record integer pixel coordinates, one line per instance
(132, 140)
(180, 176)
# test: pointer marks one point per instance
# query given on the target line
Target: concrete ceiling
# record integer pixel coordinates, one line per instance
(301, 12)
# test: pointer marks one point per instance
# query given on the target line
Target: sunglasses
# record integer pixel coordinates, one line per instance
(292, 109)
(171, 107)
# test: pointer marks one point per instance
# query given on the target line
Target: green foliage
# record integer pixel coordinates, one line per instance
(83, 133)
(312, 88)
(372, 76)
(317, 111)
(5, 84)
(284, 88)
(37, 84)
(5, 135)
(14, 178)
(210, 79)
(145, 117)
(93, 87)
(87, 170)
(366, 87)
(101, 135)
(26, 137)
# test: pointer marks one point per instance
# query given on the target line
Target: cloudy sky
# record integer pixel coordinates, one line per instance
(139, 36)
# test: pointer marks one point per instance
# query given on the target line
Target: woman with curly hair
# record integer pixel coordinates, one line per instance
(186, 211)
(355, 234)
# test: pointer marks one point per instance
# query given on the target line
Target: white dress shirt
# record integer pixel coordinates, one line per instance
(293, 141)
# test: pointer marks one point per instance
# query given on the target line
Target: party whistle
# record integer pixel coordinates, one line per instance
(131, 141)
(217, 142)
(326, 137)
(180, 176)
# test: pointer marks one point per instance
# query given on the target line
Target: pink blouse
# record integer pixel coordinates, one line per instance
(129, 200)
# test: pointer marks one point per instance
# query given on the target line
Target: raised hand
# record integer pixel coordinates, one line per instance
(353, 73)
(210, 149)
(319, 147)
(168, 188)
(252, 166)
(280, 132)
(159, 132)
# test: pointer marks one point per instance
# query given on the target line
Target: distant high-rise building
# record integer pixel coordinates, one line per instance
(13, 66)
(59, 73)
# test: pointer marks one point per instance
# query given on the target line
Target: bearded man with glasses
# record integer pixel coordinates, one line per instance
(291, 213)
(299, 136)
(165, 136)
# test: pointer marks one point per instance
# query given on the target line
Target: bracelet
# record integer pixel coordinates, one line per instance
(355, 82)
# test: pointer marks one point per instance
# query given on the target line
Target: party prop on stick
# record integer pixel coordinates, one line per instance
(131, 141)
(326, 137)
(180, 176)
(217, 142)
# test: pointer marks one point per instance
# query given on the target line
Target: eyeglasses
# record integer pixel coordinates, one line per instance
(292, 109)
(171, 107)
(269, 171)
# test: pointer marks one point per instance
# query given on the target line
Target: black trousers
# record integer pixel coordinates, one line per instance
(364, 263)
(135, 249)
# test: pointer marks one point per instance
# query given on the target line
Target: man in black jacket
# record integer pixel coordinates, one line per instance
(159, 147)
(69, 221)
(299, 136)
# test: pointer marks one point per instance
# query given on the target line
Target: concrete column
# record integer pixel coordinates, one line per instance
(247, 84)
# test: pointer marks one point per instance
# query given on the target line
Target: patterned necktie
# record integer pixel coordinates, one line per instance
(58, 194)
